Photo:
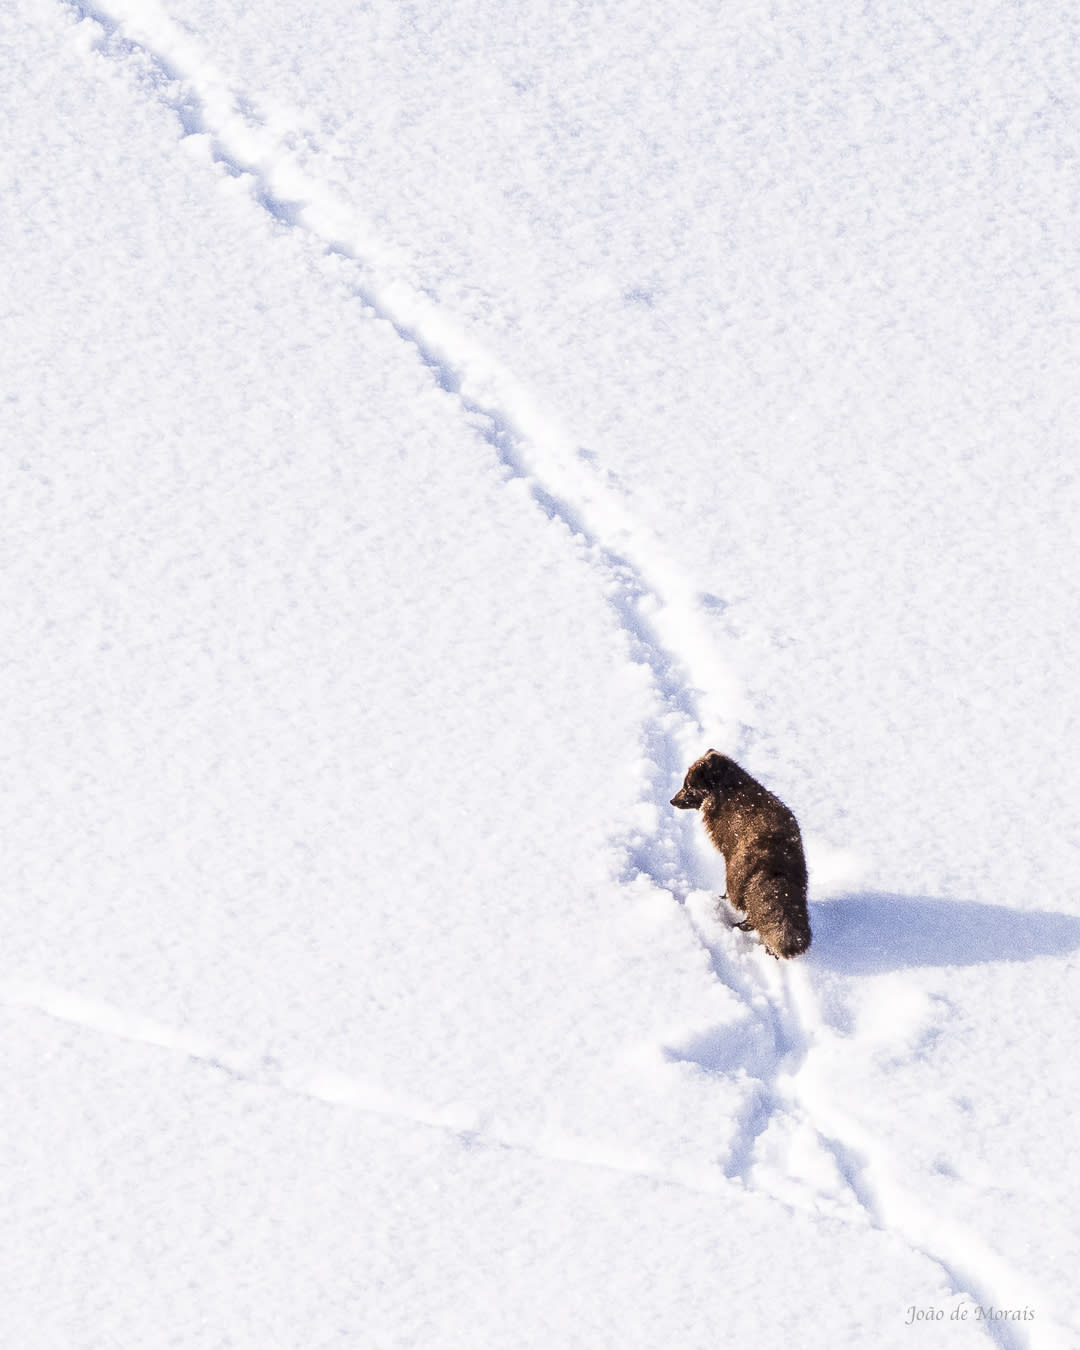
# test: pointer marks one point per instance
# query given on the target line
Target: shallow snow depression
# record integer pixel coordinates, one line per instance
(426, 431)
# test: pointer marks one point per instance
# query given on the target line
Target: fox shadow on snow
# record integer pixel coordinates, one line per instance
(872, 933)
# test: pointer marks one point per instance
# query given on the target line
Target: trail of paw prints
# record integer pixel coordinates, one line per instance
(871, 1173)
(325, 1084)
(663, 617)
(776, 1149)
(796, 1142)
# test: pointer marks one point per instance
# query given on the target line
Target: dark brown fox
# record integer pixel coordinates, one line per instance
(762, 848)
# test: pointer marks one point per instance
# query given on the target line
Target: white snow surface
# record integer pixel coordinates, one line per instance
(427, 428)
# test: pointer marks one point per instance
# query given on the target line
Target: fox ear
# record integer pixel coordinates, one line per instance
(710, 753)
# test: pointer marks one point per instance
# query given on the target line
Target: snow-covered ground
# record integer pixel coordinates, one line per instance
(426, 428)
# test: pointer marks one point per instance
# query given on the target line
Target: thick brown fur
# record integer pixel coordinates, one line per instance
(762, 848)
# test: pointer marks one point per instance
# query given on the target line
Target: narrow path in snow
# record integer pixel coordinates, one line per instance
(658, 608)
(324, 1084)
(661, 614)
(796, 1098)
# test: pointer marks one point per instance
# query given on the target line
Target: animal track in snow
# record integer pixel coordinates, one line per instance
(659, 611)
(797, 1143)
(324, 1084)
